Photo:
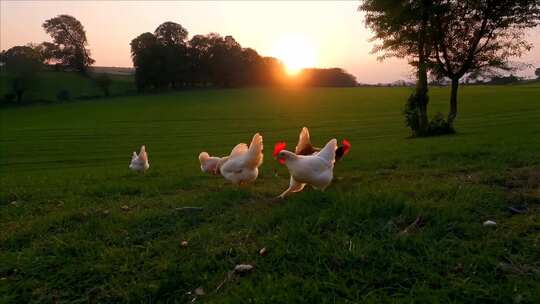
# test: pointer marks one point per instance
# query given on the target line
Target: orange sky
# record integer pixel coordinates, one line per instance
(334, 29)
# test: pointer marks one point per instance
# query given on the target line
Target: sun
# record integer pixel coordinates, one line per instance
(296, 52)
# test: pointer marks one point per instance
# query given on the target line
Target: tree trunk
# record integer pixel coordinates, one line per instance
(453, 101)
(422, 83)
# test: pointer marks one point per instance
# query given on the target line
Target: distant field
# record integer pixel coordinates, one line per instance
(66, 234)
(48, 84)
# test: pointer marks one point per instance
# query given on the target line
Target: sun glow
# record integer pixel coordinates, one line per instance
(296, 52)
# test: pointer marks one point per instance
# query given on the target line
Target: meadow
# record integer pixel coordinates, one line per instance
(402, 220)
(46, 85)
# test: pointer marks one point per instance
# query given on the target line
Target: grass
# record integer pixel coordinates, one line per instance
(48, 84)
(77, 226)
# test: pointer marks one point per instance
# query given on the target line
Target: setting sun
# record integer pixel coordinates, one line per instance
(296, 52)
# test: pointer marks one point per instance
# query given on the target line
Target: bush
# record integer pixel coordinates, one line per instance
(412, 118)
(439, 126)
(436, 126)
(63, 95)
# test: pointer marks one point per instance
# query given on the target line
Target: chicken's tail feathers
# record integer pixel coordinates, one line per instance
(256, 148)
(329, 151)
(304, 134)
(143, 155)
(303, 140)
(134, 156)
(256, 145)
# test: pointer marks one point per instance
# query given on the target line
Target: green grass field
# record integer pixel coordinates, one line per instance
(77, 226)
(47, 84)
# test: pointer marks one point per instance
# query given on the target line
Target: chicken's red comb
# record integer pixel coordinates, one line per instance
(347, 146)
(278, 147)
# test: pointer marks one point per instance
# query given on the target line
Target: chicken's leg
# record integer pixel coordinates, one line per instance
(294, 186)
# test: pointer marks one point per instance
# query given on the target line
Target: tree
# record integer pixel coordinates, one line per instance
(146, 55)
(478, 37)
(172, 37)
(537, 73)
(47, 51)
(402, 27)
(70, 39)
(170, 33)
(333, 77)
(22, 63)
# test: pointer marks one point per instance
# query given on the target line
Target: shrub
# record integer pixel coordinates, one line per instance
(63, 95)
(412, 117)
(439, 126)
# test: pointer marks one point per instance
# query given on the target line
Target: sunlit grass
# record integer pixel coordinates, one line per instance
(76, 225)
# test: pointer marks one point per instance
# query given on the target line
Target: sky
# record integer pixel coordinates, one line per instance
(328, 33)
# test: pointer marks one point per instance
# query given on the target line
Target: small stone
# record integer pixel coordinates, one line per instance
(243, 268)
(517, 210)
(106, 212)
(125, 208)
(14, 203)
(199, 291)
(263, 252)
(3, 278)
(489, 224)
(184, 244)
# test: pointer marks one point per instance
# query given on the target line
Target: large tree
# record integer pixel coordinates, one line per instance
(478, 36)
(69, 36)
(22, 63)
(148, 61)
(402, 28)
(173, 39)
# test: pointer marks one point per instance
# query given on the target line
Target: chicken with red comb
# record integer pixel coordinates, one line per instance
(278, 147)
(343, 149)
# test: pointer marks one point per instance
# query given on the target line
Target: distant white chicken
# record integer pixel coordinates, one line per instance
(211, 164)
(316, 169)
(139, 163)
(242, 165)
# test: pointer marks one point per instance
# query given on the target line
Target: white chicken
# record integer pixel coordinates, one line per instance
(316, 170)
(139, 163)
(242, 165)
(211, 164)
(304, 147)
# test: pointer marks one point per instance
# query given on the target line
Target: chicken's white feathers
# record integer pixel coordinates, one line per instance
(304, 141)
(243, 162)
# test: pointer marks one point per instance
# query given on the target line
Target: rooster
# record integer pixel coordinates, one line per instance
(242, 165)
(211, 164)
(304, 147)
(315, 169)
(139, 163)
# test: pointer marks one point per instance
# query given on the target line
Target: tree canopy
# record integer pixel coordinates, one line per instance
(70, 42)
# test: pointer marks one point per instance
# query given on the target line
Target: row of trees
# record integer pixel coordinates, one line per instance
(166, 58)
(449, 39)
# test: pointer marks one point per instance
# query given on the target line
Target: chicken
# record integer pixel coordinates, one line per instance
(211, 164)
(315, 170)
(304, 146)
(242, 165)
(139, 163)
